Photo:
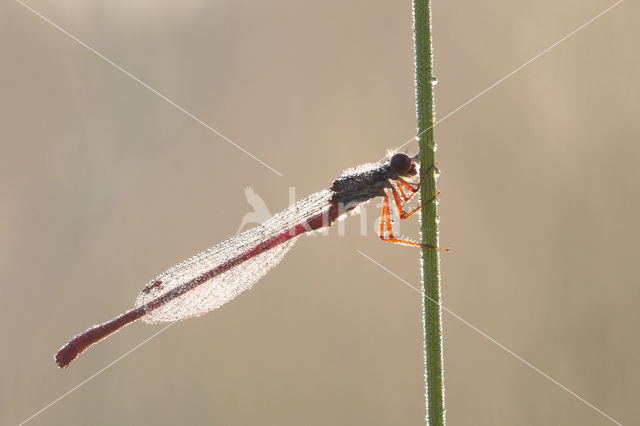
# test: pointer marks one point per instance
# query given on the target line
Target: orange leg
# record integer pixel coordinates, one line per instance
(402, 194)
(385, 219)
(413, 189)
(401, 212)
(409, 186)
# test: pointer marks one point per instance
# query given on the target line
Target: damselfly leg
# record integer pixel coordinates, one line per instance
(385, 220)
(399, 193)
(401, 212)
(398, 196)
(404, 196)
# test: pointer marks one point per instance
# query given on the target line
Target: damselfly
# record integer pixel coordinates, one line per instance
(212, 278)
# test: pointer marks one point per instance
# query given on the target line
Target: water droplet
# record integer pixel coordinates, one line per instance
(434, 80)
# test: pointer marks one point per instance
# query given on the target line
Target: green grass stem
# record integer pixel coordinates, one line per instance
(432, 318)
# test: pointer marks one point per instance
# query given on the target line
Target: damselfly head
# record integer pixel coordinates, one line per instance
(403, 165)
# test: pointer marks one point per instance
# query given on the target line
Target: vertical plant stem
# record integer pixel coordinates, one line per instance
(432, 319)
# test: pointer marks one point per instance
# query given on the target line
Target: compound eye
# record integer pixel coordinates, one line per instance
(401, 163)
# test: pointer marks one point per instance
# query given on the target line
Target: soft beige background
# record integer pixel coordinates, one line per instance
(104, 184)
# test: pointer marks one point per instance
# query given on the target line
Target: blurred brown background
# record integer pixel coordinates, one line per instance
(104, 185)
